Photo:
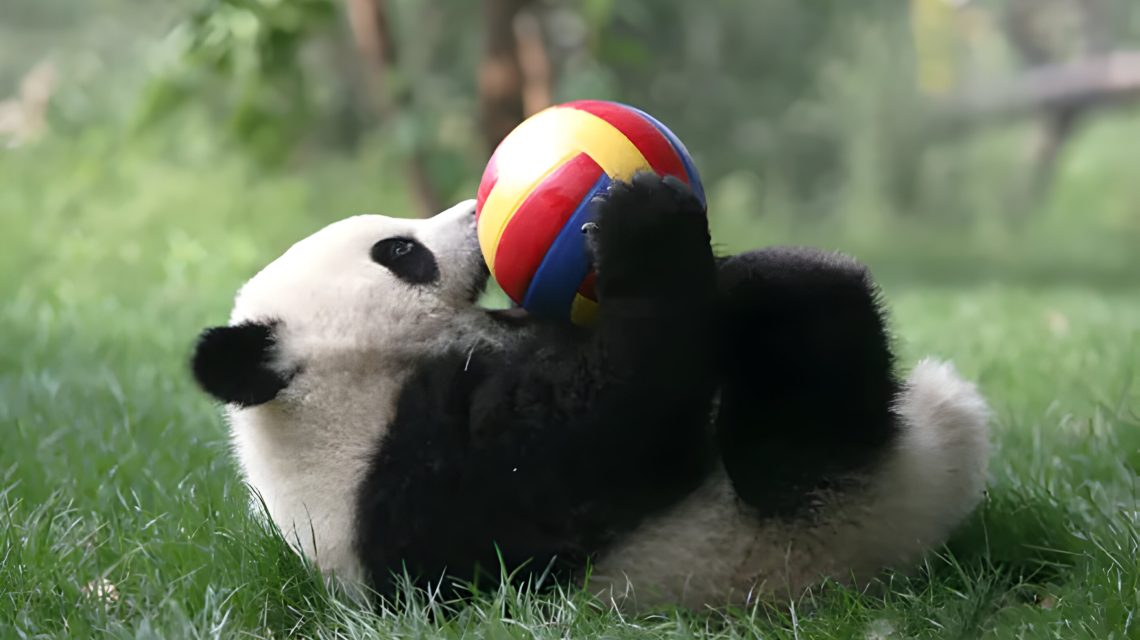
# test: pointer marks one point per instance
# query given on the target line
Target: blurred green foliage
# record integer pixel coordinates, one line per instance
(810, 110)
(118, 251)
(804, 118)
(284, 77)
(751, 78)
(248, 54)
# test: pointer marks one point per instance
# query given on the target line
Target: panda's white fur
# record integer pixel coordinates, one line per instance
(359, 330)
(709, 549)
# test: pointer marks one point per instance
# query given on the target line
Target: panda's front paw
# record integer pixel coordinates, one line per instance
(651, 237)
(647, 205)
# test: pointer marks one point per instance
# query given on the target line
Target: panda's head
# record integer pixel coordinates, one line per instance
(364, 285)
(363, 277)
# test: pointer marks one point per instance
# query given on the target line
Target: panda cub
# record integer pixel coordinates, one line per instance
(730, 429)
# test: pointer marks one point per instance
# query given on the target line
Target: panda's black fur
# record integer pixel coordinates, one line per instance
(548, 449)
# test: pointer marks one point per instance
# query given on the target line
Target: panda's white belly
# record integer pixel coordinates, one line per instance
(711, 550)
(689, 556)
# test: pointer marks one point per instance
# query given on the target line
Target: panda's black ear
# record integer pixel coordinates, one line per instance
(234, 364)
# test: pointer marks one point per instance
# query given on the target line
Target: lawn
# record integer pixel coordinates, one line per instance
(121, 512)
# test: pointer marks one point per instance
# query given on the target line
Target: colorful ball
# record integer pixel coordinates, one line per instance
(536, 190)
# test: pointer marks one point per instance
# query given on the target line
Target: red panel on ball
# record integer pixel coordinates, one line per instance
(648, 140)
(486, 183)
(538, 221)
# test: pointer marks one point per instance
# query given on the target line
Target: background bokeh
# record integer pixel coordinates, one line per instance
(857, 125)
(982, 156)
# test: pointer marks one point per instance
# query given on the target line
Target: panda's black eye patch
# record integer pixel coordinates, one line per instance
(407, 259)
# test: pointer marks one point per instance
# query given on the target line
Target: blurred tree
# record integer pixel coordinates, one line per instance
(245, 57)
(1047, 32)
(276, 69)
(534, 61)
(500, 72)
(740, 77)
(1063, 69)
(372, 33)
(807, 99)
(514, 73)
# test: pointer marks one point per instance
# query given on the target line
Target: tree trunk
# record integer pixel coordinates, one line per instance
(372, 34)
(369, 24)
(501, 82)
(1089, 83)
(534, 62)
(1060, 120)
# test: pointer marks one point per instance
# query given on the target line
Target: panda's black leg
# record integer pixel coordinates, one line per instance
(808, 380)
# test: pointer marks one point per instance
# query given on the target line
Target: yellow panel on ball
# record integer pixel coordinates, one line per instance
(583, 311)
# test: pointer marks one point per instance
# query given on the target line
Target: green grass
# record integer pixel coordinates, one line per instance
(112, 466)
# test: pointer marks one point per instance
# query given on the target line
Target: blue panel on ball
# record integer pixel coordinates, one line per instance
(566, 264)
(682, 152)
